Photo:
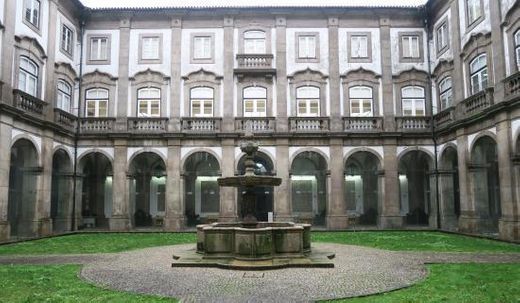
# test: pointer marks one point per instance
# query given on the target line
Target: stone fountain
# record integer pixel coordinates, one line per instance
(250, 244)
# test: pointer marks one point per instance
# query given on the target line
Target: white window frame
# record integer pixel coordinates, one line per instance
(148, 101)
(306, 49)
(480, 73)
(67, 39)
(356, 52)
(150, 54)
(307, 102)
(206, 52)
(33, 7)
(474, 10)
(361, 100)
(409, 52)
(96, 101)
(442, 37)
(413, 102)
(260, 96)
(28, 76)
(446, 93)
(202, 101)
(255, 42)
(63, 95)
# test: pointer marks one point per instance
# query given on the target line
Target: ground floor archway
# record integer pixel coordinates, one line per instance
(449, 190)
(61, 192)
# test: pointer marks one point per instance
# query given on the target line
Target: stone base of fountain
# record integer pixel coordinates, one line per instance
(259, 245)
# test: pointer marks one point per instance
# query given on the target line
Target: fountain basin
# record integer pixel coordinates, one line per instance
(249, 181)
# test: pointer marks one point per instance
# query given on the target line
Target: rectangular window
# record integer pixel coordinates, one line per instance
(66, 39)
(202, 47)
(358, 46)
(517, 49)
(202, 108)
(307, 47)
(99, 48)
(32, 12)
(410, 46)
(360, 101)
(96, 103)
(479, 74)
(413, 101)
(28, 76)
(148, 102)
(474, 10)
(445, 93)
(442, 37)
(150, 48)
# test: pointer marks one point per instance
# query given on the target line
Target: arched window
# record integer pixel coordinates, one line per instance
(28, 77)
(308, 101)
(413, 101)
(361, 101)
(445, 93)
(149, 102)
(517, 49)
(479, 74)
(201, 101)
(255, 100)
(254, 42)
(96, 102)
(64, 95)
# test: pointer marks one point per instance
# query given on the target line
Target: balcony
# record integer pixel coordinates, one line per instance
(64, 119)
(419, 124)
(255, 124)
(512, 84)
(255, 64)
(201, 124)
(28, 103)
(444, 118)
(362, 124)
(478, 102)
(309, 124)
(148, 125)
(96, 125)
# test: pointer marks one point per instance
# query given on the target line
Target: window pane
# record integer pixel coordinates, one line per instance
(360, 92)
(91, 108)
(478, 63)
(254, 35)
(208, 107)
(310, 92)
(314, 107)
(103, 52)
(406, 47)
(307, 47)
(413, 92)
(154, 108)
(202, 47)
(302, 107)
(359, 46)
(143, 108)
(94, 46)
(248, 106)
(195, 107)
(150, 48)
(260, 106)
(355, 107)
(103, 110)
(255, 92)
(149, 93)
(202, 93)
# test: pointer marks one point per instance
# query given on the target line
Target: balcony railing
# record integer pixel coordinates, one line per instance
(478, 102)
(309, 124)
(413, 123)
(201, 124)
(255, 124)
(445, 117)
(148, 124)
(252, 61)
(64, 119)
(28, 103)
(513, 85)
(96, 125)
(362, 124)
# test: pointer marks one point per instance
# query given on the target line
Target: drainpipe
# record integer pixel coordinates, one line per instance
(76, 134)
(432, 121)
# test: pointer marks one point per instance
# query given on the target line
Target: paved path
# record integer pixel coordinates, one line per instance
(358, 271)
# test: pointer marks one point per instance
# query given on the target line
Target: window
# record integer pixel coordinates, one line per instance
(360, 101)
(445, 93)
(150, 48)
(149, 102)
(474, 10)
(99, 48)
(413, 101)
(442, 37)
(307, 46)
(32, 12)
(255, 100)
(201, 102)
(202, 47)
(28, 77)
(64, 95)
(517, 49)
(66, 39)
(254, 42)
(96, 102)
(410, 47)
(479, 74)
(358, 46)
(308, 101)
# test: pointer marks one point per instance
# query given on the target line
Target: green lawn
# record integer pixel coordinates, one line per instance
(391, 240)
(446, 283)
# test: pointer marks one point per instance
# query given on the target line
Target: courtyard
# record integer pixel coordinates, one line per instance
(374, 266)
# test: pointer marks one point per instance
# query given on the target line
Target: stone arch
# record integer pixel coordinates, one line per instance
(484, 133)
(431, 157)
(149, 150)
(61, 189)
(310, 149)
(65, 149)
(367, 149)
(201, 149)
(35, 144)
(92, 151)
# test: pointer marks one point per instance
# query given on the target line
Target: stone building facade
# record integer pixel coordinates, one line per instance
(376, 117)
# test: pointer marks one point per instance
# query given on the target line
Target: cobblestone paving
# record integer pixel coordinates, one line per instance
(358, 271)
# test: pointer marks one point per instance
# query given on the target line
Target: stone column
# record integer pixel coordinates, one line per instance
(515, 229)
(432, 206)
(390, 210)
(386, 79)
(78, 202)
(174, 219)
(498, 51)
(50, 78)
(175, 82)
(5, 163)
(8, 53)
(282, 196)
(336, 124)
(228, 207)
(447, 201)
(281, 77)
(468, 216)
(43, 199)
(122, 82)
(120, 196)
(228, 119)
(336, 210)
(457, 77)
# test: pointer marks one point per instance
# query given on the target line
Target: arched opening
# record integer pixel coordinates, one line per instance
(264, 195)
(147, 189)
(96, 191)
(414, 185)
(201, 193)
(309, 188)
(362, 187)
(61, 191)
(449, 188)
(23, 177)
(485, 180)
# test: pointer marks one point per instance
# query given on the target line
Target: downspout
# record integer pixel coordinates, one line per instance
(76, 134)
(432, 121)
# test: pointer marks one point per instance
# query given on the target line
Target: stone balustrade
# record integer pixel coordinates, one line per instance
(478, 102)
(28, 103)
(444, 118)
(252, 61)
(148, 124)
(362, 124)
(309, 124)
(96, 125)
(421, 123)
(201, 124)
(512, 84)
(64, 119)
(255, 124)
